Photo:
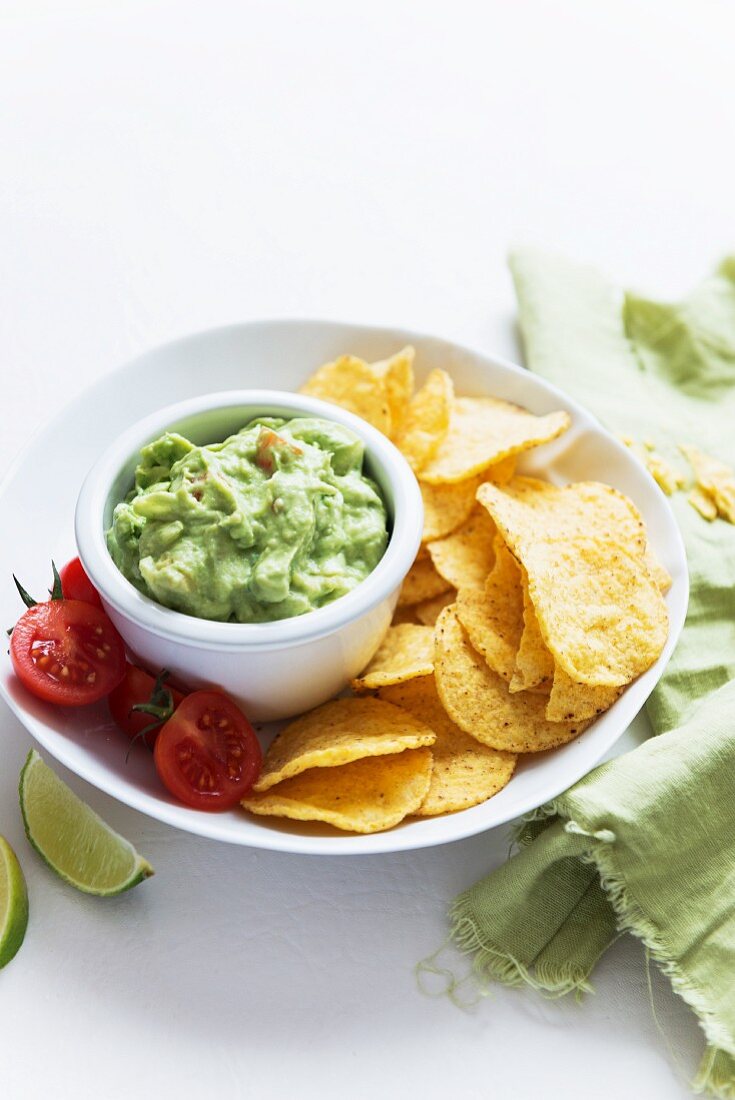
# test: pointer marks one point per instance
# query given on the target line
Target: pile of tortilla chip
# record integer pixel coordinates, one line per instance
(528, 610)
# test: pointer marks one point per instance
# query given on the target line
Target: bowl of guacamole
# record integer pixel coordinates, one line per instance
(277, 520)
(253, 540)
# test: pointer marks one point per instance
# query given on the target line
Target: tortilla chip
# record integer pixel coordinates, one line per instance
(422, 582)
(659, 574)
(703, 503)
(482, 431)
(667, 477)
(582, 508)
(397, 377)
(429, 611)
(493, 616)
(406, 652)
(715, 479)
(573, 702)
(534, 665)
(478, 700)
(466, 557)
(337, 733)
(599, 611)
(447, 507)
(465, 772)
(426, 421)
(364, 796)
(354, 385)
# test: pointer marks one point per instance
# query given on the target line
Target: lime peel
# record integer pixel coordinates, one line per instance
(72, 839)
(13, 904)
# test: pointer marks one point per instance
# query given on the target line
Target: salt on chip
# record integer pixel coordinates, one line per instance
(422, 582)
(397, 376)
(466, 556)
(534, 665)
(478, 700)
(484, 430)
(447, 507)
(354, 385)
(365, 796)
(465, 772)
(337, 733)
(426, 421)
(429, 611)
(573, 702)
(493, 616)
(406, 652)
(600, 613)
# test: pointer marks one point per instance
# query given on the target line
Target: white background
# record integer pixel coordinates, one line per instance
(165, 167)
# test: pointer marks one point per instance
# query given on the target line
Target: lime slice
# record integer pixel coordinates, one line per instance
(72, 838)
(13, 904)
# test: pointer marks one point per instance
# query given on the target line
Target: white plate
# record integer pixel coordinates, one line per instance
(37, 501)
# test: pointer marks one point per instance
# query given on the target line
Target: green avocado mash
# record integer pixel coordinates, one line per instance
(275, 521)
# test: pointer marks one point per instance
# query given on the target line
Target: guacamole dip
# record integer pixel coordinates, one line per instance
(276, 521)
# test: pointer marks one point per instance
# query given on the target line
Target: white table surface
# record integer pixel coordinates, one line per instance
(172, 166)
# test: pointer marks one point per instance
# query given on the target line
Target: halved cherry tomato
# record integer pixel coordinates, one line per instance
(76, 585)
(67, 652)
(137, 688)
(207, 755)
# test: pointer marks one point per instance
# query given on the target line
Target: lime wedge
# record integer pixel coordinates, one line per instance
(72, 838)
(13, 904)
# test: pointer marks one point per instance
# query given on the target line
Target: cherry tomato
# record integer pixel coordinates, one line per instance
(67, 652)
(76, 585)
(136, 688)
(207, 755)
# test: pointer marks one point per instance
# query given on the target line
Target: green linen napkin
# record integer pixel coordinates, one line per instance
(646, 842)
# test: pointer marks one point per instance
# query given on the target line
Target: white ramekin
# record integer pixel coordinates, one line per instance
(274, 670)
